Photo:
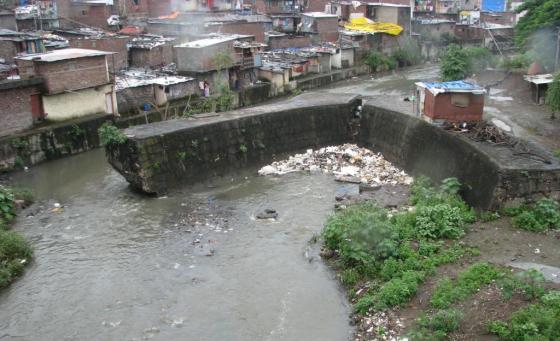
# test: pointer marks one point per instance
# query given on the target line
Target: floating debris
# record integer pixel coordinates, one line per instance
(349, 163)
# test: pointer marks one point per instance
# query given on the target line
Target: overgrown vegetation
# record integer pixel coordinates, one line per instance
(395, 253)
(446, 318)
(109, 135)
(15, 251)
(536, 30)
(553, 96)
(543, 215)
(460, 62)
(408, 52)
(540, 321)
(377, 61)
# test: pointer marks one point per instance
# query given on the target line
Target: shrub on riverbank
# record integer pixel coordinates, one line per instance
(543, 215)
(394, 253)
(15, 251)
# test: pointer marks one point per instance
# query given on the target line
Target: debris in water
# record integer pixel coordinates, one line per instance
(268, 214)
(349, 163)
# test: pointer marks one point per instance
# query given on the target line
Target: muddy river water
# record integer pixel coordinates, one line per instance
(113, 264)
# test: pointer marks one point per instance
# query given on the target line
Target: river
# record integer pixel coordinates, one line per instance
(113, 264)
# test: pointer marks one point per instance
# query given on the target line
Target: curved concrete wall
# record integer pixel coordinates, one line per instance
(491, 174)
(159, 156)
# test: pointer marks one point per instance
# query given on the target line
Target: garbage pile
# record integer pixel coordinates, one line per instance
(349, 163)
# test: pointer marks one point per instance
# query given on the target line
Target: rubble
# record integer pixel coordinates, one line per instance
(349, 163)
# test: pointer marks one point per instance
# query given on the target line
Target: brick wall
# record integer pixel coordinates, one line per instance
(158, 56)
(111, 44)
(131, 99)
(94, 15)
(73, 74)
(316, 5)
(157, 8)
(440, 107)
(16, 109)
(256, 29)
(8, 50)
(280, 42)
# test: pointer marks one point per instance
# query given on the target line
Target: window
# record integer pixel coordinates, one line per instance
(460, 100)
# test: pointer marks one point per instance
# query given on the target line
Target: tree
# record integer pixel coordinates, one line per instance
(537, 30)
(553, 96)
(454, 65)
(541, 14)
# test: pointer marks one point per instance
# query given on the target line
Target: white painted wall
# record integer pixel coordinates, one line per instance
(79, 103)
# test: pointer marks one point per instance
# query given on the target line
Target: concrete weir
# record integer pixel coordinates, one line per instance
(160, 156)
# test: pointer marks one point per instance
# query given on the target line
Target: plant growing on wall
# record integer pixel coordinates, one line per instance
(109, 135)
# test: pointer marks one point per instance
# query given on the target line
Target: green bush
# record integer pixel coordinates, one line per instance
(445, 321)
(553, 94)
(394, 255)
(454, 65)
(440, 221)
(109, 135)
(375, 60)
(361, 234)
(458, 62)
(539, 321)
(543, 215)
(468, 282)
(7, 208)
(14, 253)
(408, 52)
(528, 283)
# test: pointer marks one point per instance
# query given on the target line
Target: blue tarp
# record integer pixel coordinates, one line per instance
(493, 5)
(453, 85)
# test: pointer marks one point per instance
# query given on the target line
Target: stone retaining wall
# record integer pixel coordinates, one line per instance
(160, 156)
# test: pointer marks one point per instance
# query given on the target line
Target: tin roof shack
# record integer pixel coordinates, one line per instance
(197, 58)
(390, 13)
(254, 27)
(539, 85)
(135, 88)
(496, 34)
(456, 101)
(77, 82)
(322, 27)
(105, 42)
(20, 101)
(151, 51)
(14, 43)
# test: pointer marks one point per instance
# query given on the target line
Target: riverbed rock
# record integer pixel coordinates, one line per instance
(267, 214)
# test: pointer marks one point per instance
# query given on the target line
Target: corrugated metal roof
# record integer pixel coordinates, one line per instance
(63, 54)
(452, 86)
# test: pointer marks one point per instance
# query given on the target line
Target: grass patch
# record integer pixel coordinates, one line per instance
(393, 254)
(468, 282)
